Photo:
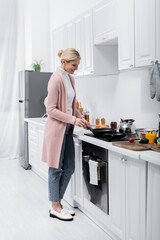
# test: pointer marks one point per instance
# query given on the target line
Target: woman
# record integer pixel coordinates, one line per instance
(58, 147)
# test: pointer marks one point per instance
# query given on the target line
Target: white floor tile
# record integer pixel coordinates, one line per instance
(24, 210)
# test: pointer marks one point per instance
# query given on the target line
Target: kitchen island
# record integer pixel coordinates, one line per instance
(134, 192)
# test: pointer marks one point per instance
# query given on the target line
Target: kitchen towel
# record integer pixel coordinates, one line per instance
(155, 82)
(154, 74)
(93, 166)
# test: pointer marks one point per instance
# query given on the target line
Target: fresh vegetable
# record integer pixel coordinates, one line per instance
(155, 140)
(151, 136)
(131, 140)
(158, 141)
(142, 134)
(144, 140)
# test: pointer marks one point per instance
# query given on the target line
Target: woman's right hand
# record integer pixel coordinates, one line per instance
(81, 122)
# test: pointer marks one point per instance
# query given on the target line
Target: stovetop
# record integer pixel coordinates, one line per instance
(104, 138)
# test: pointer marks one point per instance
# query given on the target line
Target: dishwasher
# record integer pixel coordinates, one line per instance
(97, 194)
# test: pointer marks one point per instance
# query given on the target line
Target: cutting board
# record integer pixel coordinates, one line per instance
(136, 146)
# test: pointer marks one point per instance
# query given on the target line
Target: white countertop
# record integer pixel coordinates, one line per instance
(150, 156)
(38, 121)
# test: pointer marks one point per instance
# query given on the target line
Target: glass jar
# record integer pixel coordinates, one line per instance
(86, 114)
(97, 121)
(113, 125)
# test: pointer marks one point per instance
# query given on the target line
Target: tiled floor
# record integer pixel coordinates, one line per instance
(24, 210)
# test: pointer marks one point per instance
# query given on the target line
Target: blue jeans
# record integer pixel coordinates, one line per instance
(58, 178)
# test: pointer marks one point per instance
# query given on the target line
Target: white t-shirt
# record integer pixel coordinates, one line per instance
(69, 91)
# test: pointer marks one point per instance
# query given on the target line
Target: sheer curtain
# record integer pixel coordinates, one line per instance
(11, 61)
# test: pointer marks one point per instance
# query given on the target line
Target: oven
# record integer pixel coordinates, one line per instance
(97, 192)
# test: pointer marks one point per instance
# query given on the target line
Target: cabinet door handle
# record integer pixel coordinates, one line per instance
(131, 66)
(123, 159)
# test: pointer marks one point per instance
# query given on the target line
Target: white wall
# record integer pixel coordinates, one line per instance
(126, 95)
(37, 33)
(120, 96)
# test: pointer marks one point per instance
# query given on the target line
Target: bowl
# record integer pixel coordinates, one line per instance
(141, 132)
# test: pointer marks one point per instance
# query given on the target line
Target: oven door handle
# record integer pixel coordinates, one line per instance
(107, 180)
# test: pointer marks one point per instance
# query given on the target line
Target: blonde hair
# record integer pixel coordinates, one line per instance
(69, 54)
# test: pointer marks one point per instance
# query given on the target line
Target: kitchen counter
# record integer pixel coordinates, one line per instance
(149, 156)
(38, 121)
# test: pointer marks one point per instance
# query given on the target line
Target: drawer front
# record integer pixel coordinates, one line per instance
(33, 139)
(33, 130)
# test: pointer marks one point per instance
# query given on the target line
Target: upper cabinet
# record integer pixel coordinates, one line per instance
(79, 42)
(95, 59)
(88, 42)
(158, 30)
(138, 33)
(126, 34)
(70, 35)
(59, 42)
(145, 32)
(105, 22)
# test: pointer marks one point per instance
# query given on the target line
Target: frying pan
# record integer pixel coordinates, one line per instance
(101, 131)
(112, 136)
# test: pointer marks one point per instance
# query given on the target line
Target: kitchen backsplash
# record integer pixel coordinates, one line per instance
(126, 95)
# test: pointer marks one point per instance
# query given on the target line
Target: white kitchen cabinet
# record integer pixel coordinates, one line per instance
(79, 44)
(59, 43)
(145, 32)
(35, 138)
(33, 145)
(125, 34)
(43, 167)
(73, 194)
(153, 202)
(88, 43)
(78, 33)
(127, 177)
(117, 195)
(135, 199)
(138, 33)
(99, 59)
(158, 30)
(70, 35)
(78, 172)
(105, 22)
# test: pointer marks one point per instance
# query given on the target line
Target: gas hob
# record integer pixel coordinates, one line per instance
(112, 138)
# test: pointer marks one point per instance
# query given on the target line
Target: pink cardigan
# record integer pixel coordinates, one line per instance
(57, 118)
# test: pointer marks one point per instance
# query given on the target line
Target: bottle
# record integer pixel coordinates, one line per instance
(80, 109)
(77, 105)
(86, 114)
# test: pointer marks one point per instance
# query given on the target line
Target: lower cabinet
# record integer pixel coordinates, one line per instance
(35, 137)
(78, 172)
(134, 195)
(153, 202)
(73, 194)
(127, 191)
